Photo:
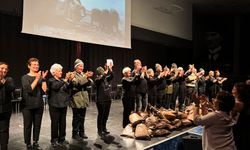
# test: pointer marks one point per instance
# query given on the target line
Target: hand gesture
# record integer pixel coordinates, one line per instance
(89, 74)
(72, 75)
(110, 67)
(144, 69)
(67, 76)
(44, 74)
(38, 75)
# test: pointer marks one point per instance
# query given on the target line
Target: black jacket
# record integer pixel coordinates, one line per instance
(6, 90)
(59, 93)
(103, 88)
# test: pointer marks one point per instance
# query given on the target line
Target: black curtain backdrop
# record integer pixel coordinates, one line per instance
(16, 48)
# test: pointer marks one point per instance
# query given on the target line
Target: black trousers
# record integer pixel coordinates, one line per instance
(128, 106)
(175, 92)
(78, 121)
(58, 123)
(103, 114)
(182, 95)
(4, 129)
(190, 91)
(32, 117)
(161, 99)
(152, 99)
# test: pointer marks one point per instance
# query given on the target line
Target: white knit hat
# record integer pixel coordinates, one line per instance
(77, 62)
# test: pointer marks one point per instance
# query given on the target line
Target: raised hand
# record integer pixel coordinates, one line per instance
(72, 75)
(38, 75)
(44, 74)
(110, 67)
(67, 76)
(89, 74)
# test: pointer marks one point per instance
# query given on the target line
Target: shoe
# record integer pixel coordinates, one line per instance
(36, 146)
(65, 142)
(54, 143)
(29, 147)
(76, 137)
(84, 136)
(106, 131)
(101, 133)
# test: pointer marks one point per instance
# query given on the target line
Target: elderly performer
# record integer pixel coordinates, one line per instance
(59, 96)
(141, 96)
(6, 88)
(80, 99)
(128, 98)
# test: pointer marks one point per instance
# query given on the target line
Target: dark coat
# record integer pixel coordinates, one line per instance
(103, 87)
(59, 93)
(6, 90)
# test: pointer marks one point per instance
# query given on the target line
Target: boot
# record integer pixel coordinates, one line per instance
(36, 146)
(83, 135)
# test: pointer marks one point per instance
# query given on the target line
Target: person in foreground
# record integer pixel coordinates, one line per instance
(80, 99)
(241, 93)
(59, 97)
(6, 89)
(33, 87)
(103, 103)
(218, 132)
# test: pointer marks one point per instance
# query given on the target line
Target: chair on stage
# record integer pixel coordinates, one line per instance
(92, 93)
(16, 99)
(116, 92)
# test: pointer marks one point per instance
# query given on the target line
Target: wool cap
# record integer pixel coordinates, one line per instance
(77, 62)
(99, 70)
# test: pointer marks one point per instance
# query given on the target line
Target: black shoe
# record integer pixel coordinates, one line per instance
(54, 143)
(64, 142)
(84, 136)
(76, 137)
(29, 147)
(106, 131)
(101, 134)
(36, 146)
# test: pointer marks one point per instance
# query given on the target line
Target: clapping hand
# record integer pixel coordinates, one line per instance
(44, 74)
(38, 75)
(67, 76)
(89, 74)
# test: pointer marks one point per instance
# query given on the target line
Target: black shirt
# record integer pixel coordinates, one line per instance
(6, 90)
(31, 98)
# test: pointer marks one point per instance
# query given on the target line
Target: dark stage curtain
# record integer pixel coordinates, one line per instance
(16, 48)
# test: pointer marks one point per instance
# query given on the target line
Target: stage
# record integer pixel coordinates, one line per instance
(113, 141)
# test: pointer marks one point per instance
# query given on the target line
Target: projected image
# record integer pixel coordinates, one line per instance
(93, 21)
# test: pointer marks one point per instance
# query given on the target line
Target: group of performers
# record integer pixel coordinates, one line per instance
(70, 90)
(160, 87)
(166, 86)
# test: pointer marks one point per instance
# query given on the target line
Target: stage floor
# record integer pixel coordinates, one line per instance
(113, 141)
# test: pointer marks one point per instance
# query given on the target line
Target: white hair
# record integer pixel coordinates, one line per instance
(54, 67)
(125, 70)
(179, 68)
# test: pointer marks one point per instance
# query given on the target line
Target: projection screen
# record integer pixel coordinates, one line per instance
(105, 22)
